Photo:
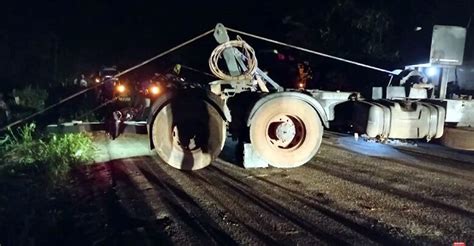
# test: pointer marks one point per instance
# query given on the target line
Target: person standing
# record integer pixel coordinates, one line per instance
(83, 81)
(4, 111)
(304, 75)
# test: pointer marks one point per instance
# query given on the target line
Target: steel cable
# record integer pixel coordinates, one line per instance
(98, 84)
(308, 50)
(213, 64)
(165, 53)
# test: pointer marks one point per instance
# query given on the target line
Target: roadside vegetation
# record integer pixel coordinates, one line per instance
(27, 152)
(35, 182)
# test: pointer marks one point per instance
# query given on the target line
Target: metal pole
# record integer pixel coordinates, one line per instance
(444, 82)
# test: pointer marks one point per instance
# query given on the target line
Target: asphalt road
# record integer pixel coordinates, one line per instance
(353, 192)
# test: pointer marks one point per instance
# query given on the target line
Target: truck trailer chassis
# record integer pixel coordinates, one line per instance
(284, 128)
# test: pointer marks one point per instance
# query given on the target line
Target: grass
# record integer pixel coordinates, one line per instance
(34, 183)
(27, 152)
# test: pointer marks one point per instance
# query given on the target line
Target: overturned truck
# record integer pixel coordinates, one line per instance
(188, 127)
(274, 126)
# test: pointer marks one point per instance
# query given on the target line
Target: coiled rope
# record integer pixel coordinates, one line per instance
(248, 52)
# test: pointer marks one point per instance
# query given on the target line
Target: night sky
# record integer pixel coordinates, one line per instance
(65, 38)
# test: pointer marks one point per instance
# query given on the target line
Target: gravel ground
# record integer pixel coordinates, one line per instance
(351, 193)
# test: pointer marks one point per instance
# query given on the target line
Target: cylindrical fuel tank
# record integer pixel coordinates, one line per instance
(398, 119)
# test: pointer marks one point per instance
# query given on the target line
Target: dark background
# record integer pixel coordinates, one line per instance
(49, 42)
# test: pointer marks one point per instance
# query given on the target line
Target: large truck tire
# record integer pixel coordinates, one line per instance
(286, 132)
(188, 133)
(458, 138)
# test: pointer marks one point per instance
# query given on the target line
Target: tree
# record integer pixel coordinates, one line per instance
(344, 28)
(355, 30)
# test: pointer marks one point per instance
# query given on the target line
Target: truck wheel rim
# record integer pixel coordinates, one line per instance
(285, 132)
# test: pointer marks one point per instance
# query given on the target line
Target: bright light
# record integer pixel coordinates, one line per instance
(121, 88)
(431, 71)
(97, 80)
(418, 28)
(154, 90)
(275, 51)
(301, 85)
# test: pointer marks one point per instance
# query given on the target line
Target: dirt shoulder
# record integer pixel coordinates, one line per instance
(352, 193)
